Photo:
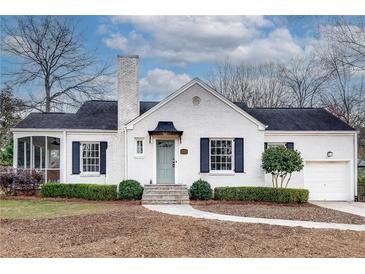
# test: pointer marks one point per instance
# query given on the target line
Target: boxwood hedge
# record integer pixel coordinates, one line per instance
(264, 194)
(82, 191)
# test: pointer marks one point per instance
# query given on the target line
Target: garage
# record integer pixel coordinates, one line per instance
(328, 180)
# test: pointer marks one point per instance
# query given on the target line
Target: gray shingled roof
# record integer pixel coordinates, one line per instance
(91, 115)
(96, 114)
(298, 119)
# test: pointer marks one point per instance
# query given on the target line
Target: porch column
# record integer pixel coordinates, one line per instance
(63, 159)
(46, 160)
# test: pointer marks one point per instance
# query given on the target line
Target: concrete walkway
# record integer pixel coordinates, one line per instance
(188, 210)
(348, 207)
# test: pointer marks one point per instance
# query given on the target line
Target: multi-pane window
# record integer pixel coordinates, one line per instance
(221, 155)
(139, 146)
(90, 157)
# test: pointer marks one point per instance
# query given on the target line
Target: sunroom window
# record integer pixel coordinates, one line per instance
(41, 153)
(221, 155)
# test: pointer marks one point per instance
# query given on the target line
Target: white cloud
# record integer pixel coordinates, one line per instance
(117, 41)
(102, 29)
(159, 83)
(193, 39)
(279, 45)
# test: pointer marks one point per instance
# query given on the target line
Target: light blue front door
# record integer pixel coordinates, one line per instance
(165, 161)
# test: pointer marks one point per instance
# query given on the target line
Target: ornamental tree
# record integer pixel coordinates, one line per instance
(281, 162)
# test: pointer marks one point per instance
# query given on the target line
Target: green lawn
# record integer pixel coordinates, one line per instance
(36, 209)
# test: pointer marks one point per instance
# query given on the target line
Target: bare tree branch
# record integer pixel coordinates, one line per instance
(49, 52)
(305, 80)
(255, 85)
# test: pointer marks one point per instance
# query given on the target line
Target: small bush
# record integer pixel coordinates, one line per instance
(361, 188)
(263, 194)
(200, 190)
(19, 180)
(362, 180)
(130, 190)
(82, 191)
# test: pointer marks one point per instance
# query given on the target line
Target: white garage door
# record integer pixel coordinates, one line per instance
(328, 180)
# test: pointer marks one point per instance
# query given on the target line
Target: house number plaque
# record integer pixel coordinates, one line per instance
(183, 151)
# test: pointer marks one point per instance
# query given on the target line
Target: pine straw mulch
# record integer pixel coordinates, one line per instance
(303, 212)
(133, 231)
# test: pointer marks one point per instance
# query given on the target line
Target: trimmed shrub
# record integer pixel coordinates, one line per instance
(130, 190)
(201, 190)
(263, 194)
(82, 191)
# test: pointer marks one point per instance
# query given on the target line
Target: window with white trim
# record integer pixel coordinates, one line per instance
(139, 147)
(90, 157)
(221, 154)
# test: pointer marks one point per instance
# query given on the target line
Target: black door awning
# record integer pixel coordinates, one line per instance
(165, 128)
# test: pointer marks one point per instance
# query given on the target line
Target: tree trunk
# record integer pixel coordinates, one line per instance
(48, 94)
(288, 181)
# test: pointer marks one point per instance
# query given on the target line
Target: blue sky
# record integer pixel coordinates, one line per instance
(174, 49)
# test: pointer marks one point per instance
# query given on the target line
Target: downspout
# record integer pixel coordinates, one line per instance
(355, 167)
(125, 154)
(125, 160)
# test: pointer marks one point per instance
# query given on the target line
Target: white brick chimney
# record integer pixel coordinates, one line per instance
(128, 89)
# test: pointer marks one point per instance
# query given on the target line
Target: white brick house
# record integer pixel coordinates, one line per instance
(193, 133)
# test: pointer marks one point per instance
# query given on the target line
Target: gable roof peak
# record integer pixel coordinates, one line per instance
(206, 87)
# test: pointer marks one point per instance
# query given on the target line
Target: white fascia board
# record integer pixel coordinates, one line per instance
(260, 125)
(312, 132)
(62, 130)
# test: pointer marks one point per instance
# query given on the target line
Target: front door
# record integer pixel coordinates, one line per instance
(165, 161)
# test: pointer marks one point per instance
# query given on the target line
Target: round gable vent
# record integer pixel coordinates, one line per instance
(196, 100)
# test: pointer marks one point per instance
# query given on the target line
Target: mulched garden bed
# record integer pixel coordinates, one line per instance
(133, 231)
(40, 198)
(303, 212)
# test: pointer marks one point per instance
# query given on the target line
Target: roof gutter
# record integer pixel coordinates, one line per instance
(309, 132)
(62, 130)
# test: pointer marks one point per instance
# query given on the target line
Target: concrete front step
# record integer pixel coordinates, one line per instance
(165, 194)
(151, 197)
(165, 186)
(155, 185)
(165, 202)
(164, 191)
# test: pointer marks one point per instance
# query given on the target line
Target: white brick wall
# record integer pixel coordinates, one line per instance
(128, 95)
(212, 119)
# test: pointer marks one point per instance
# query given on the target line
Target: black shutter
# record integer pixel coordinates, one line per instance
(289, 145)
(265, 145)
(103, 147)
(238, 155)
(75, 157)
(204, 155)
